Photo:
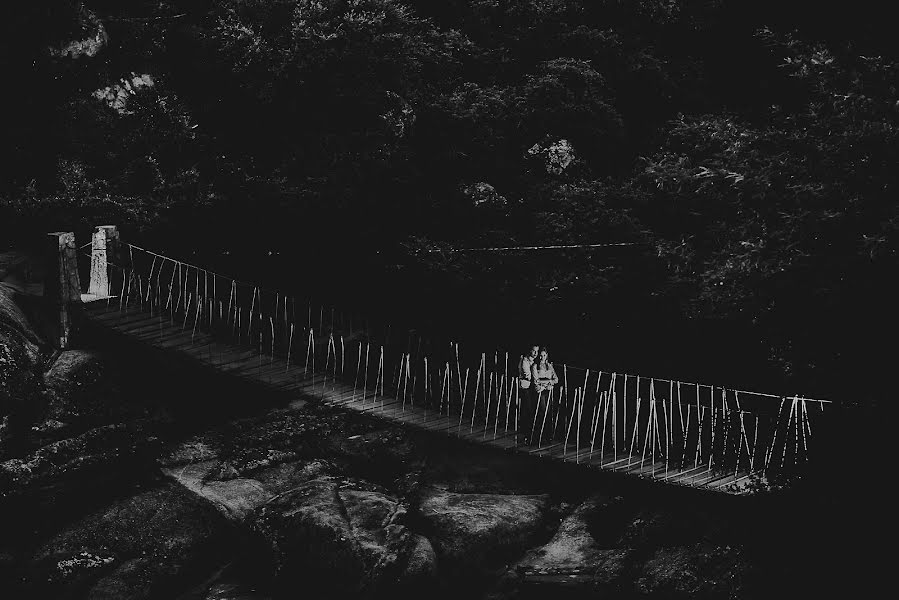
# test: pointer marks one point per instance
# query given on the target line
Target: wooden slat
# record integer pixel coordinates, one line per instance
(544, 449)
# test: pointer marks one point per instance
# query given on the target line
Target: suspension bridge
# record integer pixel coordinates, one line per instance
(702, 436)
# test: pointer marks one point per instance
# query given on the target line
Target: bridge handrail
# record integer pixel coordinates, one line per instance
(621, 374)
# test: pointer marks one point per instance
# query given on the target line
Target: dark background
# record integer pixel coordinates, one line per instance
(748, 151)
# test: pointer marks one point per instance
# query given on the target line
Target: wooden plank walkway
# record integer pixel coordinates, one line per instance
(273, 372)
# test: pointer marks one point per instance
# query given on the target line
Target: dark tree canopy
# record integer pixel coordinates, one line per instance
(747, 150)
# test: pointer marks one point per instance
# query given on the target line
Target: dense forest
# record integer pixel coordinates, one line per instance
(744, 154)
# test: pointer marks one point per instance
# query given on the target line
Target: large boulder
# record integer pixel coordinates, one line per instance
(148, 545)
(574, 558)
(480, 530)
(21, 362)
(340, 535)
(17, 308)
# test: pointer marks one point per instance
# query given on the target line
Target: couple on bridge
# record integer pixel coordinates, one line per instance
(536, 375)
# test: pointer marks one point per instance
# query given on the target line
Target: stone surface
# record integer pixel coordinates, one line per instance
(93, 454)
(286, 476)
(146, 545)
(248, 446)
(345, 535)
(573, 546)
(309, 537)
(574, 559)
(194, 450)
(20, 362)
(17, 306)
(197, 465)
(234, 498)
(421, 566)
(479, 530)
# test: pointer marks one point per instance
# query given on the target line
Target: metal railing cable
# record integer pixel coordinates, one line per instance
(662, 428)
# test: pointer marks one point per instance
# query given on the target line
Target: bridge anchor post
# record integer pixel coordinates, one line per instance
(104, 245)
(62, 288)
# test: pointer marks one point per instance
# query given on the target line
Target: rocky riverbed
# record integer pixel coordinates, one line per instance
(125, 477)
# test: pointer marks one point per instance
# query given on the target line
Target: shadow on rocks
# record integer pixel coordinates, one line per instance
(341, 538)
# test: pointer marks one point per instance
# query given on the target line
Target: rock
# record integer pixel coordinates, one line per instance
(131, 579)
(16, 306)
(609, 567)
(373, 518)
(573, 558)
(198, 449)
(285, 476)
(421, 566)
(235, 498)
(573, 547)
(73, 386)
(340, 535)
(82, 459)
(20, 363)
(258, 443)
(21, 360)
(139, 547)
(310, 538)
(478, 530)
(79, 568)
(693, 571)
(222, 471)
(254, 446)
(253, 463)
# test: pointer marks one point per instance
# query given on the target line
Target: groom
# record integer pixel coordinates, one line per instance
(528, 398)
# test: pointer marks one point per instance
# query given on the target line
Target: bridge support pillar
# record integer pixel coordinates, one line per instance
(104, 246)
(62, 287)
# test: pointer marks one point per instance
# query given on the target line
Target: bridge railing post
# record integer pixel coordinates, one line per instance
(105, 244)
(62, 287)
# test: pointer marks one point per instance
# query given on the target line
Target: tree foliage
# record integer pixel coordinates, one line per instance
(747, 152)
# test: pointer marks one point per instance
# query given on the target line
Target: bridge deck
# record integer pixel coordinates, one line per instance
(274, 373)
